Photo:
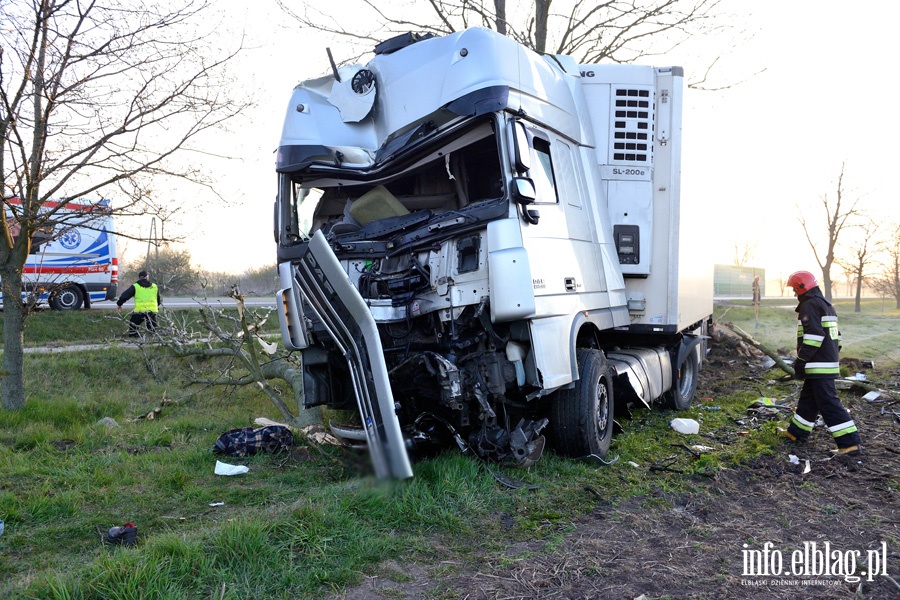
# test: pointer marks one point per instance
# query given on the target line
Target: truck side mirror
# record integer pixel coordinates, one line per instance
(523, 194)
(523, 190)
(521, 151)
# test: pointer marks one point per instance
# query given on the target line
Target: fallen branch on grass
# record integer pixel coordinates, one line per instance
(842, 384)
(763, 348)
(247, 358)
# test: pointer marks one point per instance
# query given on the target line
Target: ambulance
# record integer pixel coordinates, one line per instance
(73, 260)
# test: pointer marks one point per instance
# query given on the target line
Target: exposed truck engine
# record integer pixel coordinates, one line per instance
(479, 246)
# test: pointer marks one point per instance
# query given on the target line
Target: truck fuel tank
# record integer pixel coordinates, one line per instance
(642, 374)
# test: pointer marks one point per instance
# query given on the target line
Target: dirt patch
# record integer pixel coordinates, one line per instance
(698, 545)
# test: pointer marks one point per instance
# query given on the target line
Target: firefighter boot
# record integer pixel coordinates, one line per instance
(846, 451)
(786, 434)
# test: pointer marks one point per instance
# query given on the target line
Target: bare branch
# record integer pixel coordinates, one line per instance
(97, 97)
(837, 219)
(614, 30)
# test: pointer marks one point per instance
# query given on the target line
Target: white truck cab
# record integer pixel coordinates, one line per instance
(481, 246)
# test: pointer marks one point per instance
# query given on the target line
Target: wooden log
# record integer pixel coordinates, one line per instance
(841, 383)
(762, 348)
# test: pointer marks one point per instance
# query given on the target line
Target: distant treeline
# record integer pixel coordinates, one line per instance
(173, 272)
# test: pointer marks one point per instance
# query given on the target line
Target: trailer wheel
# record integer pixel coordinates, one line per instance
(68, 297)
(685, 385)
(582, 417)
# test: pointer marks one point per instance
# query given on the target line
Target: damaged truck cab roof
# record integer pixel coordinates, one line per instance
(468, 73)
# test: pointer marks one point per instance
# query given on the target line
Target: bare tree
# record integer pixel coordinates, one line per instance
(169, 267)
(782, 284)
(612, 30)
(848, 270)
(888, 281)
(862, 253)
(96, 96)
(743, 253)
(837, 218)
(245, 356)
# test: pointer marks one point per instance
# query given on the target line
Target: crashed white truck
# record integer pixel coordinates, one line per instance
(480, 246)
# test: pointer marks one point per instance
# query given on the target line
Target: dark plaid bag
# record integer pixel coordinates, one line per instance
(247, 441)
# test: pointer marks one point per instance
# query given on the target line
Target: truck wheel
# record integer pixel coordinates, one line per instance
(582, 417)
(685, 385)
(68, 297)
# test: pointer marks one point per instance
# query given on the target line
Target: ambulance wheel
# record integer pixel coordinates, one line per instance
(685, 385)
(68, 297)
(582, 417)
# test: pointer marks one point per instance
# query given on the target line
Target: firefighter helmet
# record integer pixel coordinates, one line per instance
(802, 282)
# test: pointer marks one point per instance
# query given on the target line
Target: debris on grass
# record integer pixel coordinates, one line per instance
(228, 470)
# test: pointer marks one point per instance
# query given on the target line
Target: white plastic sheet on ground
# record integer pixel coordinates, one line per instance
(226, 469)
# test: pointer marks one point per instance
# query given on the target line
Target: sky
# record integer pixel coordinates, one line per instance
(808, 90)
(764, 152)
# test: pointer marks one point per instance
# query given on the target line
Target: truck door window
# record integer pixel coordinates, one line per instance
(481, 164)
(564, 172)
(541, 172)
(298, 205)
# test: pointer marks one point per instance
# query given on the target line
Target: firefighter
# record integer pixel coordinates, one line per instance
(818, 344)
(147, 301)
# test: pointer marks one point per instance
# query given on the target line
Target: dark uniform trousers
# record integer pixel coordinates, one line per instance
(819, 396)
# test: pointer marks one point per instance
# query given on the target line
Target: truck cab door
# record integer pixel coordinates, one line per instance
(558, 232)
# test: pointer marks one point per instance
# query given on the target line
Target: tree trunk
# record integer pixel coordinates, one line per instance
(826, 281)
(541, 14)
(294, 376)
(12, 388)
(500, 20)
(857, 306)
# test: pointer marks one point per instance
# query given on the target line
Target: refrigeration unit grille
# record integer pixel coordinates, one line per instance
(632, 126)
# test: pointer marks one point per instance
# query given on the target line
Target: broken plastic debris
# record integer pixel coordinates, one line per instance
(795, 460)
(630, 462)
(700, 449)
(108, 422)
(126, 535)
(226, 469)
(807, 469)
(872, 396)
(217, 504)
(767, 363)
(687, 426)
(269, 348)
(762, 402)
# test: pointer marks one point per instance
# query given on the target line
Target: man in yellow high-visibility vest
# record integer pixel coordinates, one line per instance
(146, 303)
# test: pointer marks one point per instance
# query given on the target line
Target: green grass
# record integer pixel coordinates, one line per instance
(872, 333)
(302, 526)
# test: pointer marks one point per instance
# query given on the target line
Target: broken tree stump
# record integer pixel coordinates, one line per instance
(762, 348)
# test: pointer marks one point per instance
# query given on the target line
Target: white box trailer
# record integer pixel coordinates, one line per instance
(480, 246)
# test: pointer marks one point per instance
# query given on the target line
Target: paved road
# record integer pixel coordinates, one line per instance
(223, 301)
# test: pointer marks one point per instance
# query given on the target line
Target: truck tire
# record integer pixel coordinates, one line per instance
(685, 384)
(582, 417)
(67, 297)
